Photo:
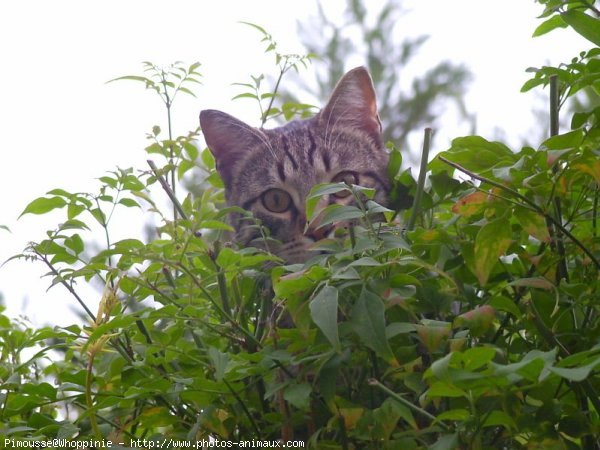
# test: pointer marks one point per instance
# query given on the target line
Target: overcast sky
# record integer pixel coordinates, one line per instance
(61, 125)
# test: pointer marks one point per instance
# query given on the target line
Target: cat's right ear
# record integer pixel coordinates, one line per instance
(228, 139)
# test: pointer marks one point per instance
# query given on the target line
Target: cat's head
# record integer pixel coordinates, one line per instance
(270, 172)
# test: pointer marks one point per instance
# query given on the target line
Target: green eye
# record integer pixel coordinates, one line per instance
(347, 177)
(276, 200)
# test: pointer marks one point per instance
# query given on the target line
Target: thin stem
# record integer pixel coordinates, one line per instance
(167, 189)
(410, 405)
(265, 114)
(561, 269)
(171, 161)
(65, 284)
(221, 281)
(595, 213)
(244, 408)
(421, 182)
(553, 341)
(88, 398)
(590, 5)
(168, 103)
(554, 105)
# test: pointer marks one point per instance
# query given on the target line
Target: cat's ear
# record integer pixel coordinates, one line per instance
(353, 104)
(228, 139)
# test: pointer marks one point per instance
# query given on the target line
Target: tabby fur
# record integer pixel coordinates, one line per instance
(270, 172)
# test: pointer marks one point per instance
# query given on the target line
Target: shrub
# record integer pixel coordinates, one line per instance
(476, 327)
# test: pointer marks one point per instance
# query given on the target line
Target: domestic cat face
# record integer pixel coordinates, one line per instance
(270, 172)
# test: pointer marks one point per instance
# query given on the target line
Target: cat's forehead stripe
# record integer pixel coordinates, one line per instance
(286, 149)
(312, 148)
(281, 170)
(326, 161)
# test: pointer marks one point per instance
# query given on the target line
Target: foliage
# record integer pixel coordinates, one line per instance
(284, 62)
(477, 328)
(404, 106)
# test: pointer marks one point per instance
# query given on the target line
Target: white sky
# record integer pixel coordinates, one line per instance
(62, 126)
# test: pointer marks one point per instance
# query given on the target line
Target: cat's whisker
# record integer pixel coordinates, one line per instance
(257, 133)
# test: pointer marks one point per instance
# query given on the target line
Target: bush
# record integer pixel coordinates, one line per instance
(477, 327)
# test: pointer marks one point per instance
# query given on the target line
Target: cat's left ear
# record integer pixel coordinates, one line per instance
(353, 104)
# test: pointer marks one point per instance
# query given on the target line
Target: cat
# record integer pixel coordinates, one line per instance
(270, 172)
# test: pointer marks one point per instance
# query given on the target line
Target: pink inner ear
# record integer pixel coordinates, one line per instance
(353, 104)
(228, 139)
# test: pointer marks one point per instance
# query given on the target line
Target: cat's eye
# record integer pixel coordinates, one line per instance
(276, 200)
(347, 177)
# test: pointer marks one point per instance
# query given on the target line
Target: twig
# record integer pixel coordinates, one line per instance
(410, 405)
(65, 284)
(167, 189)
(528, 202)
(265, 115)
(421, 182)
(562, 271)
(221, 281)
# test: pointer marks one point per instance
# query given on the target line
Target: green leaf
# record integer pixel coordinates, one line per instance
(132, 183)
(584, 24)
(368, 321)
(129, 202)
(501, 303)
(549, 25)
(99, 216)
(144, 80)
(478, 320)
(319, 191)
(75, 243)
(433, 334)
(73, 210)
(208, 159)
(245, 95)
(576, 374)
(220, 362)
(324, 313)
(298, 395)
(530, 84)
(443, 389)
(395, 162)
(60, 193)
(191, 150)
(257, 27)
(499, 419)
(339, 213)
(478, 155)
(460, 415)
(215, 225)
(295, 282)
(109, 181)
(396, 328)
(476, 357)
(67, 431)
(533, 223)
(439, 368)
(227, 257)
(564, 141)
(491, 242)
(447, 442)
(42, 205)
(534, 282)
